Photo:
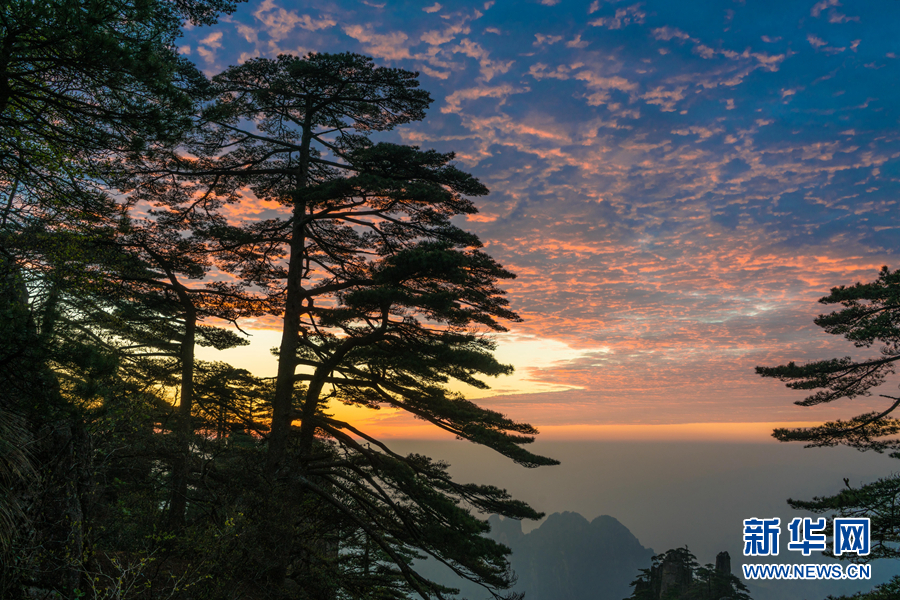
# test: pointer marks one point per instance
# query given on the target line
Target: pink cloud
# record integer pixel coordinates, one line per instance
(501, 92)
(278, 22)
(389, 46)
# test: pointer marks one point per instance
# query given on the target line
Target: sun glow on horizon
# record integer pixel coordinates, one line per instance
(528, 354)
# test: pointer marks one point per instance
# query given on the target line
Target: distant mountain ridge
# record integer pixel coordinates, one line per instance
(571, 558)
(566, 558)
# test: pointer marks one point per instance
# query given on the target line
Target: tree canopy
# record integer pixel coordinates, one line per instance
(870, 317)
(384, 299)
(147, 473)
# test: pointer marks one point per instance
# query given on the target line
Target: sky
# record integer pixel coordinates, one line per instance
(674, 183)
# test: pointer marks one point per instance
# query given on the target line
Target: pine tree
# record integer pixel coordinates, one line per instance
(870, 316)
(878, 501)
(384, 299)
(154, 261)
(81, 82)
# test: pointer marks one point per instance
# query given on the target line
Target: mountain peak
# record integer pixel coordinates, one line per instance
(504, 530)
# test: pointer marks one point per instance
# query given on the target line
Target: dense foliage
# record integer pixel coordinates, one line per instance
(131, 469)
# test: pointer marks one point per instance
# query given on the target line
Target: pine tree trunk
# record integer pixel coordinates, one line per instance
(282, 404)
(185, 430)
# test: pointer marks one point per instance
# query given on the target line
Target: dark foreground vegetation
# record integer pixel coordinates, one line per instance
(131, 469)
(869, 316)
(146, 210)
